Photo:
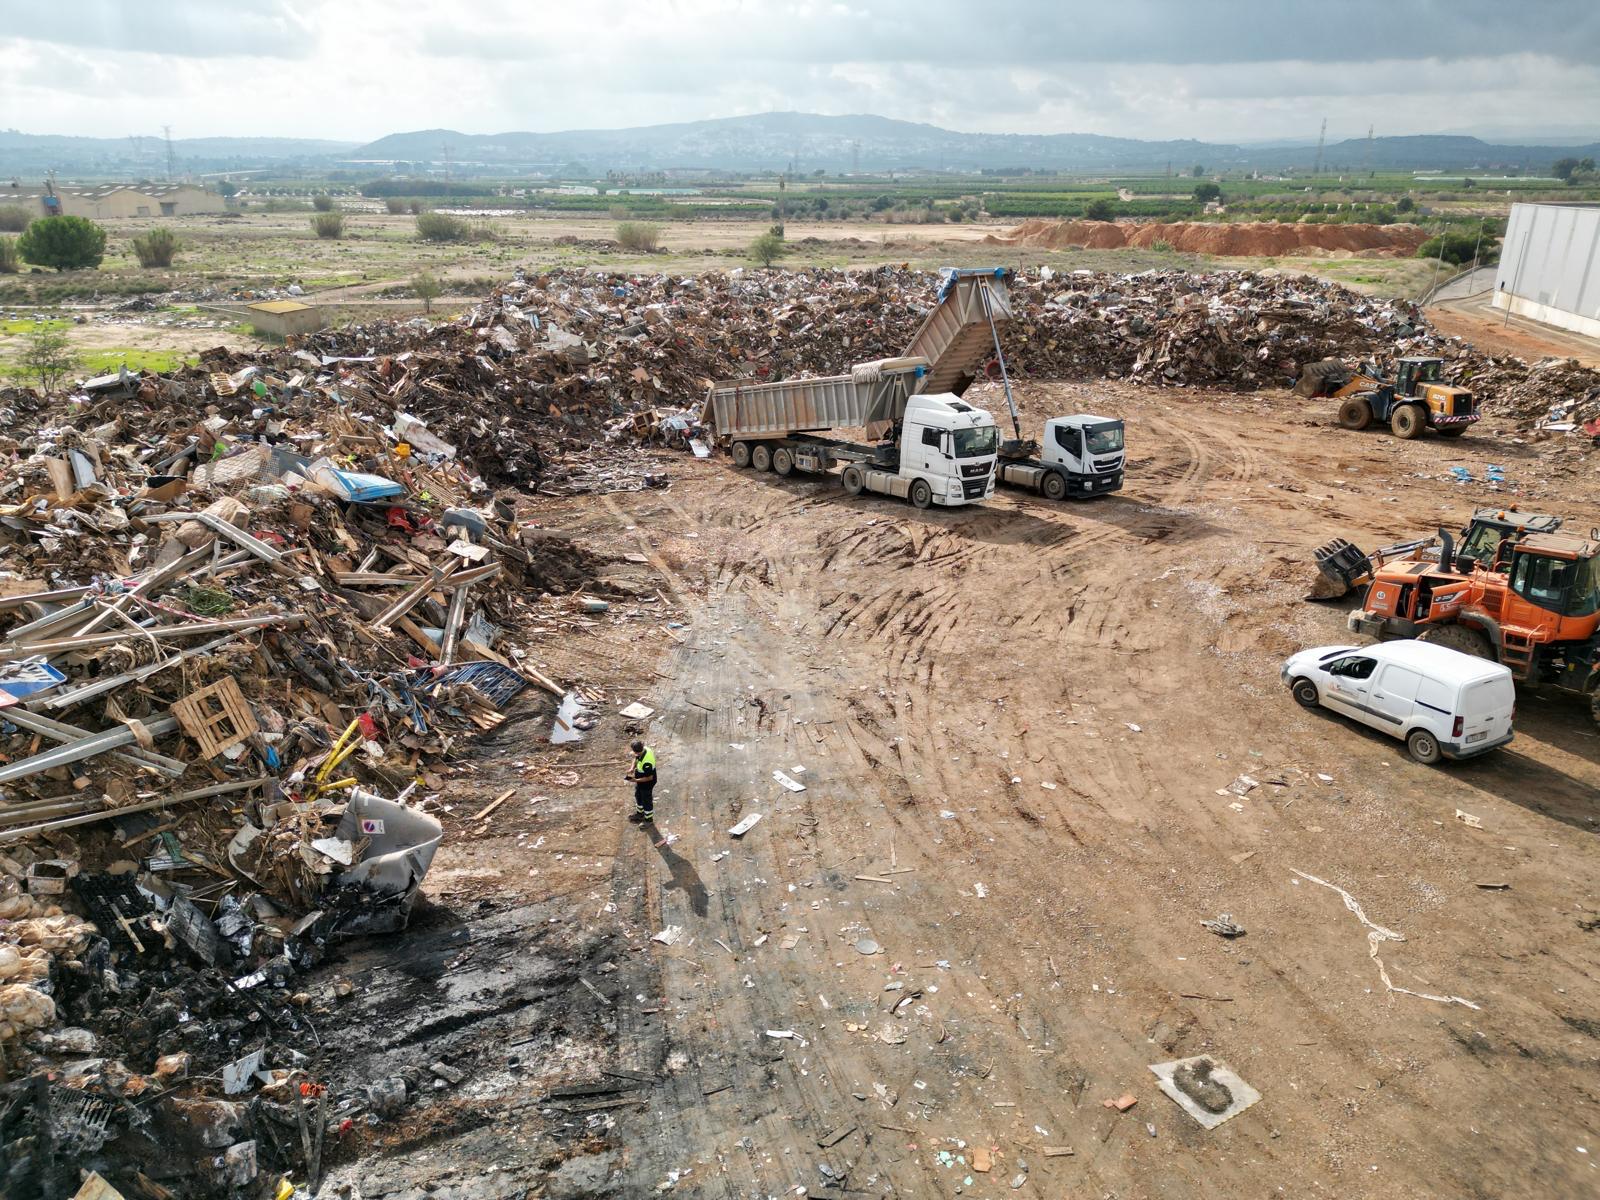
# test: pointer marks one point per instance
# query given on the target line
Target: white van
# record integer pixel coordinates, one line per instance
(1440, 702)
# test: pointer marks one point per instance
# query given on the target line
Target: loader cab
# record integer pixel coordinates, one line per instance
(1410, 373)
(1556, 574)
(1492, 532)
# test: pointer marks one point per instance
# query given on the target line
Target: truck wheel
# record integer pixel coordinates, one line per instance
(921, 493)
(741, 454)
(1408, 421)
(1054, 486)
(1355, 413)
(1304, 693)
(1424, 747)
(855, 480)
(782, 460)
(761, 458)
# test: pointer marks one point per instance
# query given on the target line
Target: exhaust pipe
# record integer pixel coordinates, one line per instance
(1447, 550)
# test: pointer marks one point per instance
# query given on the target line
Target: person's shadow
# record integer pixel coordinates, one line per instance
(684, 877)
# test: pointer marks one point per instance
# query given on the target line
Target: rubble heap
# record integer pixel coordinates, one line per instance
(240, 615)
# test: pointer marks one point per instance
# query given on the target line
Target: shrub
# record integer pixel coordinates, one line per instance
(322, 203)
(47, 355)
(1456, 249)
(485, 231)
(1405, 204)
(65, 243)
(1161, 246)
(427, 288)
(639, 236)
(618, 212)
(328, 224)
(394, 206)
(10, 264)
(13, 218)
(768, 248)
(157, 248)
(441, 227)
(414, 207)
(1101, 210)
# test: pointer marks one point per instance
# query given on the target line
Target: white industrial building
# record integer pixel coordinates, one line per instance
(1550, 266)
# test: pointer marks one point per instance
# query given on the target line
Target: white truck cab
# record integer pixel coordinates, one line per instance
(951, 445)
(1440, 702)
(1088, 448)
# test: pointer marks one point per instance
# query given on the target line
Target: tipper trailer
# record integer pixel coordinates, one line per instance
(929, 446)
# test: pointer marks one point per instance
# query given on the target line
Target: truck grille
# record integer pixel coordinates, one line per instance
(973, 489)
(1114, 464)
(975, 471)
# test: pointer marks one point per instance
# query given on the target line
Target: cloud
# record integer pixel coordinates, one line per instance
(185, 28)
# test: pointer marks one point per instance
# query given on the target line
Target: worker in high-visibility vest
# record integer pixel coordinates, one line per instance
(643, 778)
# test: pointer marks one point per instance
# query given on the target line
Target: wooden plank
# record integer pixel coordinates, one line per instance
(494, 804)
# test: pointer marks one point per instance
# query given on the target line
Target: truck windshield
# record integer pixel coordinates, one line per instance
(1104, 439)
(974, 443)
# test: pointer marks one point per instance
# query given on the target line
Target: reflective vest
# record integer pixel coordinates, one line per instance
(647, 759)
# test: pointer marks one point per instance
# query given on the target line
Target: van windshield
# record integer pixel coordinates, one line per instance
(974, 443)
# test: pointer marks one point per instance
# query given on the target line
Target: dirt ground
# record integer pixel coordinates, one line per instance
(1479, 322)
(981, 918)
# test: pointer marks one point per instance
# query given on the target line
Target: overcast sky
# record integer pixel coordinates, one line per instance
(1220, 70)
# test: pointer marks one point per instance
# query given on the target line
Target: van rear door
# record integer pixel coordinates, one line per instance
(1485, 710)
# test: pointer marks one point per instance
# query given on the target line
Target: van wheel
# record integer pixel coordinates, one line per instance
(1304, 693)
(741, 454)
(1408, 421)
(855, 480)
(1424, 747)
(782, 460)
(921, 493)
(761, 458)
(1355, 413)
(1054, 486)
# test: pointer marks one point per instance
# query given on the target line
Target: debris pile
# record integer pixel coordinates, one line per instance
(241, 613)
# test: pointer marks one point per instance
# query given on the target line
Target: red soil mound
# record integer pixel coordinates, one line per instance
(1241, 238)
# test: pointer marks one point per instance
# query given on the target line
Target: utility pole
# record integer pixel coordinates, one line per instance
(1367, 167)
(1316, 167)
(444, 150)
(855, 157)
(166, 131)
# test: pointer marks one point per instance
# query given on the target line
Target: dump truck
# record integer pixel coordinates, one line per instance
(1535, 607)
(1342, 567)
(780, 426)
(930, 449)
(1414, 400)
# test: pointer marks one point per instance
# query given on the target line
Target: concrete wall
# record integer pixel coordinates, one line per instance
(1550, 266)
(124, 202)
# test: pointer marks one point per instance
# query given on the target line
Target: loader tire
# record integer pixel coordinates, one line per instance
(1461, 638)
(1054, 486)
(921, 494)
(761, 458)
(1594, 705)
(1408, 421)
(783, 461)
(854, 480)
(1355, 413)
(740, 454)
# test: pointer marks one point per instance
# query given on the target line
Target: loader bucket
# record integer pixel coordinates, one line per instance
(1340, 568)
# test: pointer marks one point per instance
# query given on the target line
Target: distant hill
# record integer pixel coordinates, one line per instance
(766, 141)
(31, 155)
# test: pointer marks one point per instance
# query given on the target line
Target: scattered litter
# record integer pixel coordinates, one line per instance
(1469, 820)
(745, 825)
(668, 936)
(637, 711)
(1224, 926)
(1208, 1090)
(794, 785)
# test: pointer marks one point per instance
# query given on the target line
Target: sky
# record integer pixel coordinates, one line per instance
(1215, 70)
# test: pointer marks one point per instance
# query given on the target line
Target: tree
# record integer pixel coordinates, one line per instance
(394, 206)
(1563, 168)
(1197, 170)
(1204, 192)
(1586, 166)
(768, 248)
(157, 248)
(9, 263)
(322, 203)
(48, 355)
(1457, 249)
(227, 189)
(1467, 183)
(427, 288)
(328, 224)
(1100, 210)
(1405, 204)
(65, 243)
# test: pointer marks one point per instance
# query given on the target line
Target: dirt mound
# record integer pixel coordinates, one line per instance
(1251, 238)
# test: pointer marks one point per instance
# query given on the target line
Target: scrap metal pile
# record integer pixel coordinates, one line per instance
(240, 615)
